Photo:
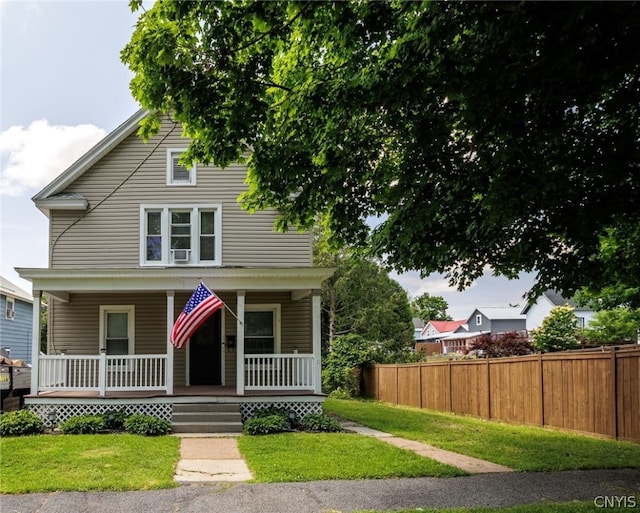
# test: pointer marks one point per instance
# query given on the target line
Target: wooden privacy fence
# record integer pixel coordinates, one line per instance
(591, 391)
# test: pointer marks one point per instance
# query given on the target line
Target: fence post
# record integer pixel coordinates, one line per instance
(449, 386)
(614, 390)
(488, 390)
(540, 366)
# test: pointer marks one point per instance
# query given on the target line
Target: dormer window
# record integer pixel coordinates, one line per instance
(478, 320)
(180, 235)
(177, 173)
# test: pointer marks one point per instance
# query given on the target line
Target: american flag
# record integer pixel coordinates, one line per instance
(200, 306)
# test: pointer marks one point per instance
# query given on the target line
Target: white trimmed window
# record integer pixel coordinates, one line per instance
(117, 329)
(180, 235)
(178, 174)
(262, 329)
(10, 312)
(479, 320)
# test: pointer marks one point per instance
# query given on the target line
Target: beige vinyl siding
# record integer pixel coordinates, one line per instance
(134, 173)
(75, 326)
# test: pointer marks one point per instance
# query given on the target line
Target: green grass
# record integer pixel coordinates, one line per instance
(548, 507)
(292, 457)
(46, 463)
(519, 447)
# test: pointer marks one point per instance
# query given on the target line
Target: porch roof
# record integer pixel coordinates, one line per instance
(62, 282)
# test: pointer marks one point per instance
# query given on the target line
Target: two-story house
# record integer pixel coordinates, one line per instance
(16, 314)
(132, 234)
(536, 311)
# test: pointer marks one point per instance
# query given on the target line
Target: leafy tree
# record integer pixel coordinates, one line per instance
(479, 133)
(360, 298)
(558, 331)
(613, 326)
(430, 308)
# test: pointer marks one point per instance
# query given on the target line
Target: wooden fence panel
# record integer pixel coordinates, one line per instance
(516, 390)
(409, 385)
(628, 398)
(469, 388)
(578, 392)
(592, 391)
(435, 386)
(388, 383)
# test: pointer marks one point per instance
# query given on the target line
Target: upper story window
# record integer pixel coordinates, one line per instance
(479, 320)
(180, 235)
(177, 174)
(10, 312)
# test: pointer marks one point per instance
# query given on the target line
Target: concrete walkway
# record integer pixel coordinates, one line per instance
(210, 458)
(466, 463)
(216, 458)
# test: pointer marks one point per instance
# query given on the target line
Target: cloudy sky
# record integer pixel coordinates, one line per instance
(62, 88)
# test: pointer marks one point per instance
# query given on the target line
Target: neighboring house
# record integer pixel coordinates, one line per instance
(16, 320)
(537, 311)
(435, 330)
(418, 325)
(484, 320)
(132, 233)
(496, 320)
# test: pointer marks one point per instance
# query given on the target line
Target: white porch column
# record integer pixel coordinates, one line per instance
(35, 340)
(169, 370)
(240, 297)
(317, 341)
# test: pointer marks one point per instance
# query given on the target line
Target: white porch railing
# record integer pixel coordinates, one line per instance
(102, 373)
(279, 372)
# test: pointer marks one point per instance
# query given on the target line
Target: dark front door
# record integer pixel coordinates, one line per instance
(205, 353)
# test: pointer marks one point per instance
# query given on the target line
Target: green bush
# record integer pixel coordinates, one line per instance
(114, 419)
(558, 331)
(82, 425)
(21, 422)
(320, 422)
(146, 425)
(343, 365)
(266, 425)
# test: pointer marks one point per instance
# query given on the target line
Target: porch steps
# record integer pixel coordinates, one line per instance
(206, 418)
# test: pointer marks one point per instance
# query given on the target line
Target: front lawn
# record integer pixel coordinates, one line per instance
(47, 463)
(519, 447)
(291, 457)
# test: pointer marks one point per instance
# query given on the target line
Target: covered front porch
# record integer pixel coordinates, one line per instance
(291, 364)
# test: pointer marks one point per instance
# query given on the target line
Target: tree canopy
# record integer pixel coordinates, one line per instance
(430, 308)
(501, 134)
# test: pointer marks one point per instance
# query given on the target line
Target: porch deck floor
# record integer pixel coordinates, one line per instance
(193, 391)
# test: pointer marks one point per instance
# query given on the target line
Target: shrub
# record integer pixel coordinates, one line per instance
(114, 419)
(320, 422)
(21, 422)
(343, 365)
(82, 424)
(266, 425)
(499, 346)
(558, 331)
(146, 425)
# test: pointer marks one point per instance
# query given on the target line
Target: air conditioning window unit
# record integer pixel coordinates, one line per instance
(11, 314)
(180, 255)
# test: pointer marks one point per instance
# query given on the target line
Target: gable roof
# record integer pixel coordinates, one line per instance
(556, 299)
(444, 326)
(51, 194)
(495, 313)
(9, 289)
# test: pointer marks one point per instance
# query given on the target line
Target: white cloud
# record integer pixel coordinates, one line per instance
(31, 157)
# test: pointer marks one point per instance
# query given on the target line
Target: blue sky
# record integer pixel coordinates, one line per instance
(62, 88)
